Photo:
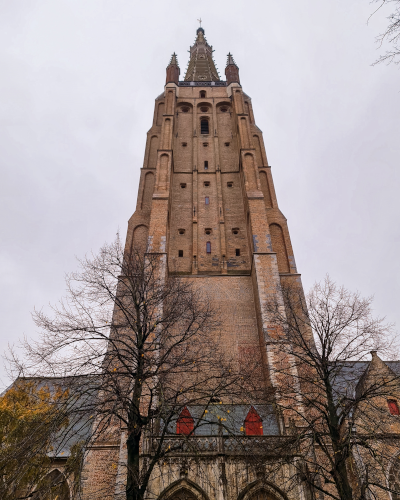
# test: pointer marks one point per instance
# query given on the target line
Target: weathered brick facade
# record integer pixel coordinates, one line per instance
(207, 206)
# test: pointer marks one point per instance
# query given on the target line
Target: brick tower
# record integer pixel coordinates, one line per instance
(207, 208)
(206, 201)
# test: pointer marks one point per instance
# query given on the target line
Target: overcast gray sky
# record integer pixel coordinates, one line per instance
(77, 89)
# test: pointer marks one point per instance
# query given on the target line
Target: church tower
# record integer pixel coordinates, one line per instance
(207, 204)
(208, 211)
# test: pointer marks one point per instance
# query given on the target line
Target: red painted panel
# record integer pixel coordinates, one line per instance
(253, 423)
(393, 407)
(185, 422)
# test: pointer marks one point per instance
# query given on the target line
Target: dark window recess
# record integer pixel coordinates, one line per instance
(229, 184)
(184, 144)
(202, 93)
(208, 247)
(237, 252)
(235, 230)
(204, 109)
(181, 231)
(205, 144)
(185, 110)
(208, 230)
(180, 253)
(224, 110)
(204, 127)
(183, 185)
(227, 144)
(207, 200)
(206, 184)
(185, 423)
(393, 407)
(206, 165)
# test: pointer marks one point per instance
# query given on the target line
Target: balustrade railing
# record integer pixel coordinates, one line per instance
(235, 445)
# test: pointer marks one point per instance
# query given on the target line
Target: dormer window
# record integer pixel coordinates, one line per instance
(185, 423)
(393, 407)
(253, 423)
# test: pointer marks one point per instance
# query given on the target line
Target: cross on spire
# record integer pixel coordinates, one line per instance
(200, 20)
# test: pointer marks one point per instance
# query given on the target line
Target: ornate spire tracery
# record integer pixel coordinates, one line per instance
(201, 66)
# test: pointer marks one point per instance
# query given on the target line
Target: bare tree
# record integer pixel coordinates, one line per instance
(391, 34)
(136, 347)
(339, 420)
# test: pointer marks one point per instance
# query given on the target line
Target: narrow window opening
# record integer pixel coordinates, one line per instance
(206, 184)
(183, 185)
(227, 144)
(207, 200)
(208, 230)
(253, 423)
(208, 247)
(180, 253)
(393, 407)
(237, 252)
(204, 127)
(205, 144)
(229, 184)
(181, 231)
(235, 230)
(185, 423)
(184, 144)
(206, 165)
(202, 94)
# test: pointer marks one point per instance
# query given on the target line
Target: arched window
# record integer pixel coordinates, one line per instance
(204, 127)
(253, 423)
(202, 94)
(208, 246)
(207, 200)
(185, 422)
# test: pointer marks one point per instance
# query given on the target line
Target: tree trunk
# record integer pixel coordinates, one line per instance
(133, 490)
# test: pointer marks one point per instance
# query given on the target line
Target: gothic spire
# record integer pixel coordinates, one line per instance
(201, 66)
(173, 70)
(231, 70)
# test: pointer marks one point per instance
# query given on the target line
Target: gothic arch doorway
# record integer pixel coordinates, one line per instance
(262, 490)
(53, 486)
(183, 489)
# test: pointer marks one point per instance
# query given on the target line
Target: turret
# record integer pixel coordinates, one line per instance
(231, 71)
(173, 70)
